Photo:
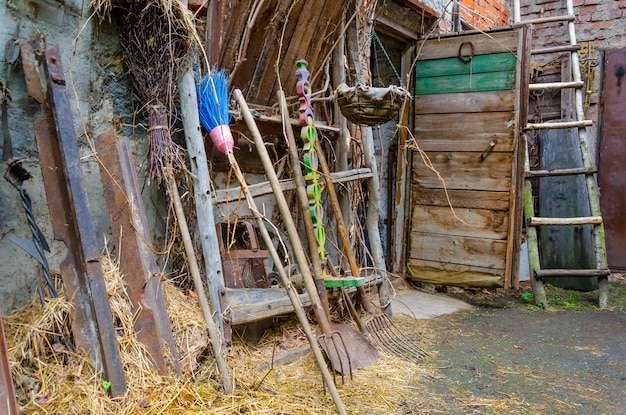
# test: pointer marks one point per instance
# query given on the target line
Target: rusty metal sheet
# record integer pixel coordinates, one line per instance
(83, 238)
(612, 153)
(8, 403)
(92, 323)
(58, 205)
(129, 226)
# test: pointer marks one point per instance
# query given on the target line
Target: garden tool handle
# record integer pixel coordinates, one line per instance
(334, 203)
(304, 203)
(283, 207)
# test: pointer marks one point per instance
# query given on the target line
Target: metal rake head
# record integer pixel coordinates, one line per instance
(392, 340)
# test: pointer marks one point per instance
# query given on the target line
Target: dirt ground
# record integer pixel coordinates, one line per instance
(509, 357)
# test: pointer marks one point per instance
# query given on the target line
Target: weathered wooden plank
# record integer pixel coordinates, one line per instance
(496, 42)
(492, 81)
(260, 189)
(502, 142)
(496, 62)
(259, 304)
(477, 223)
(315, 28)
(235, 28)
(464, 171)
(461, 250)
(445, 133)
(258, 73)
(468, 102)
(461, 127)
(471, 199)
(517, 183)
(289, 23)
(452, 274)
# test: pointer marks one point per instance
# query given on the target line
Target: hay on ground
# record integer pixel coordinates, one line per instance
(52, 380)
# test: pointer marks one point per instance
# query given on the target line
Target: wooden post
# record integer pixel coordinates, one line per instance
(341, 147)
(373, 214)
(402, 190)
(206, 222)
(202, 195)
(539, 291)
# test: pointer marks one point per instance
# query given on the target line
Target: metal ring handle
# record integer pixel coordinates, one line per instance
(466, 59)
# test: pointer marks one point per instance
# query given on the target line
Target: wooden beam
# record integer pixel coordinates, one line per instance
(260, 189)
(422, 9)
(448, 47)
(407, 32)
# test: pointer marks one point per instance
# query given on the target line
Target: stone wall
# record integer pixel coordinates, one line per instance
(97, 89)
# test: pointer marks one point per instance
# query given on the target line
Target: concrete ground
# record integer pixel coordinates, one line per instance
(421, 305)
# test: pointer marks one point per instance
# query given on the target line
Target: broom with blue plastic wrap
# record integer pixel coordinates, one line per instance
(213, 109)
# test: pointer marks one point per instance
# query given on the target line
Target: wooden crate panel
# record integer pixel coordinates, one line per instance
(477, 223)
(468, 102)
(461, 250)
(491, 81)
(496, 62)
(464, 171)
(495, 42)
(453, 274)
(444, 132)
(471, 199)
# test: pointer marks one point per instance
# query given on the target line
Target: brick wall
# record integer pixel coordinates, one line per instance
(599, 21)
(485, 14)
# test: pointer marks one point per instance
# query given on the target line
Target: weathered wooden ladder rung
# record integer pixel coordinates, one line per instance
(559, 125)
(549, 19)
(555, 85)
(580, 124)
(555, 49)
(583, 220)
(560, 172)
(555, 273)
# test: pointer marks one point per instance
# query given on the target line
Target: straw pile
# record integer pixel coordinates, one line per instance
(51, 380)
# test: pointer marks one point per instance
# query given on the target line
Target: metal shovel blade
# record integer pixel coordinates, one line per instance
(347, 349)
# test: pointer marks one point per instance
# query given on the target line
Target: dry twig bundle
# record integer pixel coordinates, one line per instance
(155, 37)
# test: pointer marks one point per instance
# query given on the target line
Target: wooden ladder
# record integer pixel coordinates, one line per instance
(601, 270)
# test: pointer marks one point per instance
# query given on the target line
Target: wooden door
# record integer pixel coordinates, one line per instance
(612, 153)
(466, 208)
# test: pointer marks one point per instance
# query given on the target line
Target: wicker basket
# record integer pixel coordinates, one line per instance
(368, 105)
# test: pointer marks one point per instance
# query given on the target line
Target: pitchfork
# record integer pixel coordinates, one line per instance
(382, 329)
